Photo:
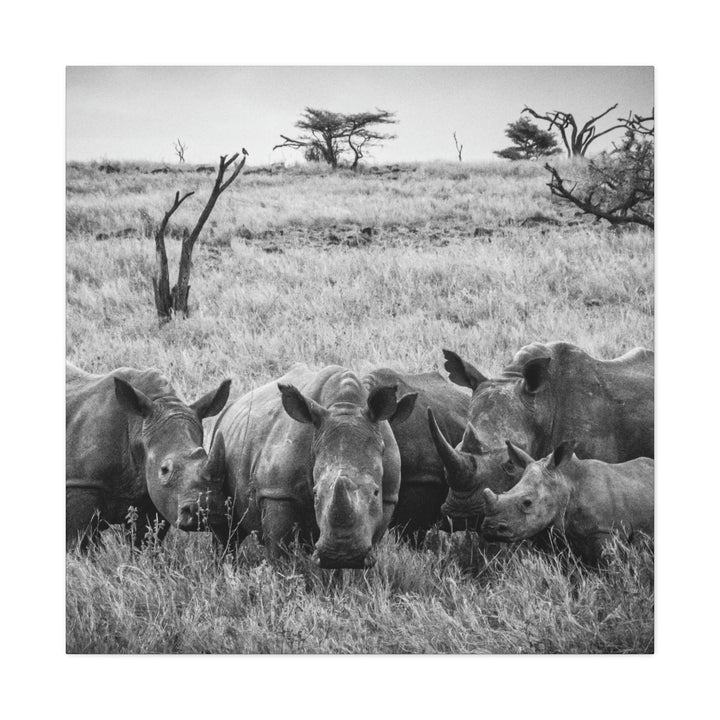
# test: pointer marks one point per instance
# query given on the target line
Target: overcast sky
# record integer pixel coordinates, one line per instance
(136, 113)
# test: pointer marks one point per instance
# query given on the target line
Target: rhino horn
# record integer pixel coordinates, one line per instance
(341, 508)
(459, 466)
(490, 499)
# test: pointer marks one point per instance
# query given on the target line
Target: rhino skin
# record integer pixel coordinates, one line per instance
(312, 451)
(548, 393)
(131, 441)
(423, 487)
(587, 500)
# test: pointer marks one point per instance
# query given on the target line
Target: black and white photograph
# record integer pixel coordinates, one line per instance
(360, 359)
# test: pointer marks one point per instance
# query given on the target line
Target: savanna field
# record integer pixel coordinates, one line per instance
(384, 267)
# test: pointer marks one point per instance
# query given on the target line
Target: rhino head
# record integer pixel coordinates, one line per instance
(183, 481)
(348, 456)
(469, 469)
(520, 404)
(536, 502)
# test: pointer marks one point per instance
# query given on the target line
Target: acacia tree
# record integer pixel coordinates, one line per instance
(329, 134)
(361, 133)
(576, 139)
(173, 303)
(617, 185)
(529, 141)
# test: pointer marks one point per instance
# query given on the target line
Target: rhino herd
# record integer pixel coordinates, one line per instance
(559, 440)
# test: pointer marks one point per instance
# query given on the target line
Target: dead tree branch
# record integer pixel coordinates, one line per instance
(617, 215)
(180, 149)
(172, 303)
(182, 289)
(161, 279)
(458, 147)
(576, 140)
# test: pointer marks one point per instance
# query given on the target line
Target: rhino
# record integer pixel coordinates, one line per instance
(422, 485)
(587, 500)
(131, 441)
(313, 450)
(548, 393)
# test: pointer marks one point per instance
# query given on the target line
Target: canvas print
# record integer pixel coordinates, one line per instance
(360, 360)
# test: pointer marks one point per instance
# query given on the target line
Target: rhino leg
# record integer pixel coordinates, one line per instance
(591, 547)
(279, 519)
(84, 508)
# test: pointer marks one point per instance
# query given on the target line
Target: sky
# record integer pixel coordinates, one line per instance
(137, 113)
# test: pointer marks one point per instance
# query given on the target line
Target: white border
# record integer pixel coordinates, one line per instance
(680, 42)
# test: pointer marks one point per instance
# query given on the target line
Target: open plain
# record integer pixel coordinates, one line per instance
(383, 267)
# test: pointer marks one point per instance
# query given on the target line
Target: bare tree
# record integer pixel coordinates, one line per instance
(180, 149)
(576, 139)
(161, 279)
(171, 303)
(458, 147)
(619, 185)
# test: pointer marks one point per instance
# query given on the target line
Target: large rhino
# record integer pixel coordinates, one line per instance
(549, 393)
(131, 441)
(587, 500)
(422, 487)
(312, 450)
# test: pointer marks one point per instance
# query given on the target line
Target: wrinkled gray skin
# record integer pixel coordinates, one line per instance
(313, 451)
(422, 487)
(469, 467)
(586, 499)
(547, 394)
(131, 441)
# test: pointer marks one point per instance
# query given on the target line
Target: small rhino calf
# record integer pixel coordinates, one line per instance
(586, 499)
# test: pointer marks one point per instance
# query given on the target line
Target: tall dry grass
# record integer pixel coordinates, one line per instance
(423, 282)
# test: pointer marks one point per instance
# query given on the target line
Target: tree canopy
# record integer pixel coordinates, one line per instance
(618, 185)
(529, 141)
(328, 135)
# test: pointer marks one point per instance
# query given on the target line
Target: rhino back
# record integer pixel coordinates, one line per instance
(611, 497)
(267, 453)
(608, 405)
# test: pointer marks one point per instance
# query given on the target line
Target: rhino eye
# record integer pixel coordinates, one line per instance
(376, 493)
(526, 503)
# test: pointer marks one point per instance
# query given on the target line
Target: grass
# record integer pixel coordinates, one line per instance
(448, 599)
(283, 274)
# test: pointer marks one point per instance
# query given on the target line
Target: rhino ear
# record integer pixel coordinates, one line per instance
(461, 372)
(132, 400)
(212, 403)
(562, 454)
(405, 406)
(382, 403)
(536, 373)
(471, 442)
(301, 408)
(518, 457)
